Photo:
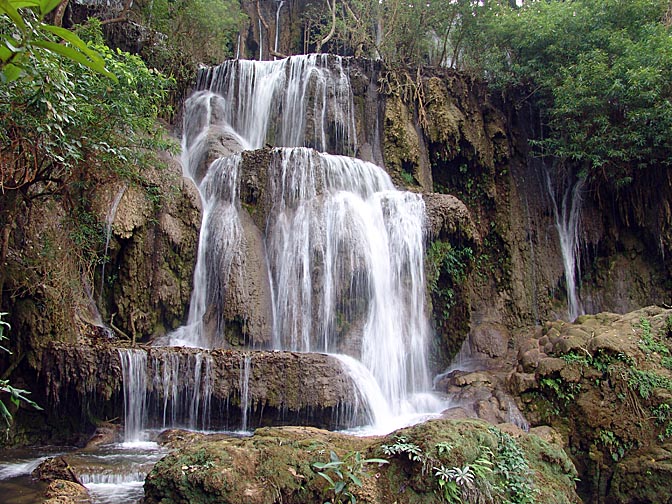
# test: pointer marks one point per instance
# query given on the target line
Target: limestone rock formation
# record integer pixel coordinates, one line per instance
(281, 388)
(449, 218)
(151, 254)
(604, 384)
(276, 464)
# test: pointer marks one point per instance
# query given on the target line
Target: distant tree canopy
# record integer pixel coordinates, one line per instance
(599, 70)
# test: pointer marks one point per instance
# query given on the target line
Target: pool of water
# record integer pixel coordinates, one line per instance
(113, 474)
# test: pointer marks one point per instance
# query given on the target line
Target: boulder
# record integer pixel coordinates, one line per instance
(278, 464)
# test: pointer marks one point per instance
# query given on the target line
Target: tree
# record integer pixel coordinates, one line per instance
(599, 72)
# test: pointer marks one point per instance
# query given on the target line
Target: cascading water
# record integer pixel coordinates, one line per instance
(351, 249)
(567, 223)
(302, 101)
(343, 249)
(277, 25)
(245, 368)
(134, 372)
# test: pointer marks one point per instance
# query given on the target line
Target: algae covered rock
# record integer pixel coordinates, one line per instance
(425, 463)
(607, 387)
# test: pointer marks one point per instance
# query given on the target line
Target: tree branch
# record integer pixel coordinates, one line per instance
(326, 39)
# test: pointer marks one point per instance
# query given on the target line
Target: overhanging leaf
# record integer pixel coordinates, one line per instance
(7, 6)
(10, 73)
(74, 40)
(46, 6)
(75, 55)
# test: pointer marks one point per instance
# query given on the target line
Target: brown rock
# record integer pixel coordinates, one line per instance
(522, 382)
(56, 468)
(449, 217)
(489, 339)
(550, 365)
(548, 434)
(66, 492)
(530, 360)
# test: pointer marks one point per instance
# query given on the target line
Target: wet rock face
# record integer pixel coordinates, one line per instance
(276, 465)
(152, 252)
(269, 388)
(605, 383)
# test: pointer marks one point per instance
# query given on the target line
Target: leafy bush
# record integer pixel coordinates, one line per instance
(341, 473)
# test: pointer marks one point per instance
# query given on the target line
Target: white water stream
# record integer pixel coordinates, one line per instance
(567, 216)
(343, 248)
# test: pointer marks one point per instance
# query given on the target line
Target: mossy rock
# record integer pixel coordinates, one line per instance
(276, 465)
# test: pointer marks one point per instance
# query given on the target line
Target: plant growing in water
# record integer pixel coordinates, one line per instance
(340, 473)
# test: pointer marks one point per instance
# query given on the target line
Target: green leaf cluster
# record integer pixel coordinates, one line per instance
(16, 395)
(23, 31)
(341, 473)
(498, 472)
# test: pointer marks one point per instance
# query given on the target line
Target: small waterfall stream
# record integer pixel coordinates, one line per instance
(109, 220)
(277, 26)
(567, 222)
(246, 366)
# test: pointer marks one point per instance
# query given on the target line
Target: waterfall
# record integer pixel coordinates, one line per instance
(181, 389)
(343, 249)
(350, 247)
(292, 102)
(134, 373)
(277, 25)
(567, 222)
(109, 220)
(166, 390)
(244, 387)
(219, 247)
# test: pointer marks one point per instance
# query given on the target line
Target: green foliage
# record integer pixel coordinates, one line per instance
(511, 463)
(616, 447)
(341, 473)
(648, 343)
(634, 384)
(204, 29)
(183, 34)
(645, 382)
(599, 71)
(443, 259)
(663, 416)
(24, 35)
(501, 475)
(400, 33)
(566, 392)
(57, 125)
(16, 396)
